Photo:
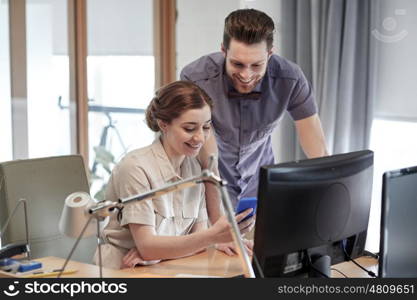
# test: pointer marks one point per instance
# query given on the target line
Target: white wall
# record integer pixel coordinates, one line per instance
(200, 28)
(114, 27)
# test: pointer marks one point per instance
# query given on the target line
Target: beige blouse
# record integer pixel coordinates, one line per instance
(172, 214)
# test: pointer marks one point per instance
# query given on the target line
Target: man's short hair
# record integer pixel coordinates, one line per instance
(249, 26)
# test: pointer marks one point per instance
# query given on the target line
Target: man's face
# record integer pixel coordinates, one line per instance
(246, 64)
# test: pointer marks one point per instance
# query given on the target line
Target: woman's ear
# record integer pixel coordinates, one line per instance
(162, 125)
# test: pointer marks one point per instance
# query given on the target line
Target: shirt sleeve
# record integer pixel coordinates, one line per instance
(184, 75)
(302, 104)
(129, 180)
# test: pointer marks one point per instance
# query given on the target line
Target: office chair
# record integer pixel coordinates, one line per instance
(44, 183)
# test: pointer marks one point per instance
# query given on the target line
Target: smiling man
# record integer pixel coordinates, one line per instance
(251, 89)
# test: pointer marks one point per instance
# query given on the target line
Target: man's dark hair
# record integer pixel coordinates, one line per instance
(249, 26)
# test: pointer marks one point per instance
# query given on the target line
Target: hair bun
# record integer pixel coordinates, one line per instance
(151, 119)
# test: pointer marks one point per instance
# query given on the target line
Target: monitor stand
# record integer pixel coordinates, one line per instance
(320, 266)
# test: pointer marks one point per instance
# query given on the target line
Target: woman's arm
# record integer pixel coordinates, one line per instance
(133, 257)
(152, 246)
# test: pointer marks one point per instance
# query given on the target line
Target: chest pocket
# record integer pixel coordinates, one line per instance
(167, 223)
(190, 211)
(189, 214)
(163, 214)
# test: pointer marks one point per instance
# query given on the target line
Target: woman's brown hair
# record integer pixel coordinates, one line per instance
(172, 100)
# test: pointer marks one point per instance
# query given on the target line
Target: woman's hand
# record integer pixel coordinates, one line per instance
(221, 232)
(230, 248)
(247, 225)
(131, 259)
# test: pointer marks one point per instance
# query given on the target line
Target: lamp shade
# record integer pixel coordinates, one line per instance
(75, 216)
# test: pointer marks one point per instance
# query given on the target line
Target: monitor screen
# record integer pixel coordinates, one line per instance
(309, 209)
(398, 255)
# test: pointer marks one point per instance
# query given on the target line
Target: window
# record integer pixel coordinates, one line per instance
(5, 97)
(395, 147)
(121, 76)
(47, 78)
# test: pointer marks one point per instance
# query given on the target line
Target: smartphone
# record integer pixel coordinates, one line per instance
(244, 204)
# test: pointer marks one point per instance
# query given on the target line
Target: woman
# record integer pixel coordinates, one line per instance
(172, 225)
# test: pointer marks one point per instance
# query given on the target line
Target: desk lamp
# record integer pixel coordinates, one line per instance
(102, 210)
(77, 222)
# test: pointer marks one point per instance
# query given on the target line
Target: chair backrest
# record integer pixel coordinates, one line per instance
(44, 183)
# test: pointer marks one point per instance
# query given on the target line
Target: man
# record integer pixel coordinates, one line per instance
(251, 88)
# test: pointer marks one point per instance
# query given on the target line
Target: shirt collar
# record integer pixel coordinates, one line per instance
(167, 170)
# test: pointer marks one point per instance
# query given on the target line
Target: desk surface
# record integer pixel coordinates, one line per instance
(350, 270)
(210, 263)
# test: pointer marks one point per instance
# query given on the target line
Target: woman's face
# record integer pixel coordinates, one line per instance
(186, 134)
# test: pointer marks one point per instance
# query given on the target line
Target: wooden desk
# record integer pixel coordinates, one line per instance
(211, 263)
(83, 270)
(353, 271)
(205, 264)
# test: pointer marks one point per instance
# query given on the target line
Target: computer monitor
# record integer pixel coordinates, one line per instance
(398, 255)
(310, 209)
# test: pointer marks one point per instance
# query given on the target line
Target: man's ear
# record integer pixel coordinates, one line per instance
(272, 51)
(223, 49)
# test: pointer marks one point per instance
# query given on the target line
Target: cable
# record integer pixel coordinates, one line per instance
(333, 269)
(370, 273)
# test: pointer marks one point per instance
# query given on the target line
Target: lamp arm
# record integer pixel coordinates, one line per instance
(75, 246)
(24, 201)
(243, 255)
(176, 186)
